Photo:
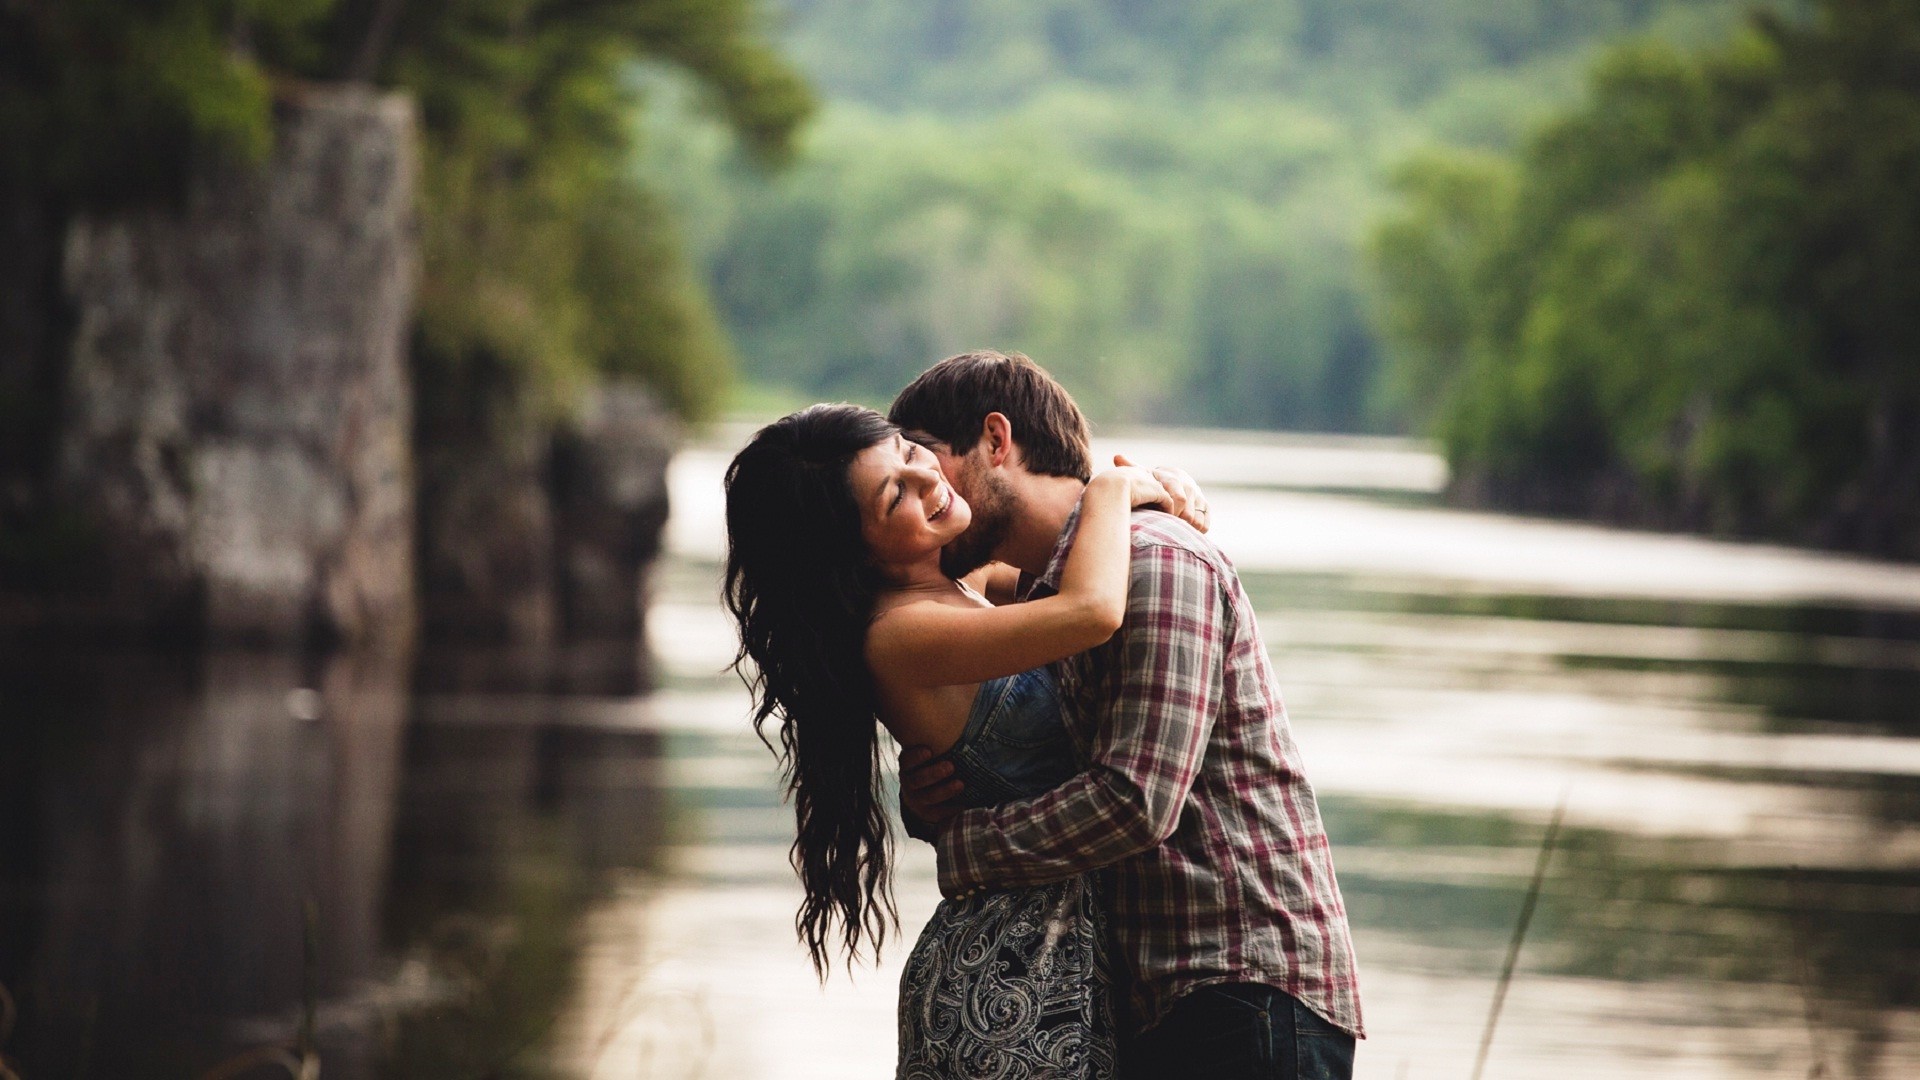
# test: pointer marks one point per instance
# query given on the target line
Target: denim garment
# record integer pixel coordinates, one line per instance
(1240, 1031)
(1011, 982)
(1015, 744)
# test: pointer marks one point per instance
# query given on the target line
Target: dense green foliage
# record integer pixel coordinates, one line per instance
(1164, 203)
(103, 100)
(541, 255)
(1695, 300)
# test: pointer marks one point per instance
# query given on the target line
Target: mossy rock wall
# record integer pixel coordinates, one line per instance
(237, 405)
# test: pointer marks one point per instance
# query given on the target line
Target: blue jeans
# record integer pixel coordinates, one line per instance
(1236, 1030)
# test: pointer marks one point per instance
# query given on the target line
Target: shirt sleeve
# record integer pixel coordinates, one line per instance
(1142, 759)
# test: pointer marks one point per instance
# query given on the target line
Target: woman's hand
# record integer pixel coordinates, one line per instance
(1184, 500)
(1142, 488)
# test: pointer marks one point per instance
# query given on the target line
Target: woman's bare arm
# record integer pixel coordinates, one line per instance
(997, 581)
(929, 643)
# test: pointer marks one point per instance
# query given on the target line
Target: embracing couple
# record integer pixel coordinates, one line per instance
(1136, 879)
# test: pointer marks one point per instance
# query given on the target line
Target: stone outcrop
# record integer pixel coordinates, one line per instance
(32, 316)
(237, 434)
(609, 483)
(536, 543)
(486, 520)
(237, 413)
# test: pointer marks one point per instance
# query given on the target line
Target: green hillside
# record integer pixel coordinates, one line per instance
(1163, 203)
(1693, 301)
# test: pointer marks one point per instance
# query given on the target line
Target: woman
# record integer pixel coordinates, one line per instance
(835, 523)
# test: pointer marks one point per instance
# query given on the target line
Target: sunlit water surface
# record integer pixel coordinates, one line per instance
(210, 855)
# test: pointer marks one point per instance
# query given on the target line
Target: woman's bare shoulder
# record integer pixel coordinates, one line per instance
(890, 610)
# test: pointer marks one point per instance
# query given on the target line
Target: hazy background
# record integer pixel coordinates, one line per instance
(1644, 261)
(1170, 206)
(368, 369)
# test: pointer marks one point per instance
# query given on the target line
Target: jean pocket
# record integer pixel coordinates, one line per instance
(1321, 1051)
(1216, 1033)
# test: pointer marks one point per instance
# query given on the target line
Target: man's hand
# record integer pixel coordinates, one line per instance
(928, 787)
(1187, 501)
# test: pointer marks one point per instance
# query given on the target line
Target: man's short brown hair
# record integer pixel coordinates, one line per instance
(950, 402)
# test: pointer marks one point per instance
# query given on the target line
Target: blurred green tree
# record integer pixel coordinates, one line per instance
(545, 263)
(1694, 301)
(1164, 203)
(539, 249)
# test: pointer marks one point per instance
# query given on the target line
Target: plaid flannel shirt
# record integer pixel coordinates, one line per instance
(1194, 796)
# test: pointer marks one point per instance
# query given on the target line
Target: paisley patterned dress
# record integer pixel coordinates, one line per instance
(1013, 983)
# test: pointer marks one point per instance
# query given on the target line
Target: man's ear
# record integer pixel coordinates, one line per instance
(996, 434)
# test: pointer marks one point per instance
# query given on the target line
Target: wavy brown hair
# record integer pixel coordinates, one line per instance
(949, 403)
(801, 590)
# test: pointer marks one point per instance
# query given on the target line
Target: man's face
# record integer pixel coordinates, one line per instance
(992, 500)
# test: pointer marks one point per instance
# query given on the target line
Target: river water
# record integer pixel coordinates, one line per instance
(214, 864)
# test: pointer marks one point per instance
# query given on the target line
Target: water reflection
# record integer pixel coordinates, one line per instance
(513, 817)
(1738, 893)
(1814, 963)
(508, 883)
(192, 845)
(206, 855)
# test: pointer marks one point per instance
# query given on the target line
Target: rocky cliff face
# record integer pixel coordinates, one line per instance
(237, 401)
(235, 435)
(536, 542)
(609, 483)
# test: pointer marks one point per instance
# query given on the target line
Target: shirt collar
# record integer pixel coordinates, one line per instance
(1049, 579)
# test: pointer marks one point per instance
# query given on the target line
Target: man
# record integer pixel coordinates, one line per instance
(1225, 909)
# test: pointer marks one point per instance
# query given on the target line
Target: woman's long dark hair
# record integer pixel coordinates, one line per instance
(801, 588)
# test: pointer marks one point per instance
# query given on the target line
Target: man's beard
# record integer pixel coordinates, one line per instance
(992, 501)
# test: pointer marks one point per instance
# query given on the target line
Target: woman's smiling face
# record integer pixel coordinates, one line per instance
(907, 509)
